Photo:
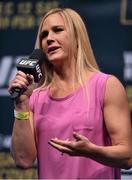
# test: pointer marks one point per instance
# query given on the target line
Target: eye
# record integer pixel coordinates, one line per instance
(43, 34)
(58, 29)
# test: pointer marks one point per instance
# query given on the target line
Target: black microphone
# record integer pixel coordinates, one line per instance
(31, 65)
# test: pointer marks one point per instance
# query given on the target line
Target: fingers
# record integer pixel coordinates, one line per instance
(30, 78)
(59, 147)
(63, 143)
(75, 147)
(21, 80)
(64, 149)
(69, 147)
(67, 143)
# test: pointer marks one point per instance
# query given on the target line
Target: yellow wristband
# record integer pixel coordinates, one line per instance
(21, 115)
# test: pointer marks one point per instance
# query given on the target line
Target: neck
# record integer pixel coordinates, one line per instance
(64, 76)
(63, 82)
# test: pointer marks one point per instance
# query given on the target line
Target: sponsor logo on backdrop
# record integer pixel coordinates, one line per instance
(127, 55)
(23, 15)
(5, 141)
(127, 66)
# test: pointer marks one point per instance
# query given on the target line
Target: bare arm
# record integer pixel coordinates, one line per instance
(118, 123)
(117, 120)
(23, 147)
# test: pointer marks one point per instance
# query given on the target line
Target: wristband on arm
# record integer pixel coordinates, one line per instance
(21, 115)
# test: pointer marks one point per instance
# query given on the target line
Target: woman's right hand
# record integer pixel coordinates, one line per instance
(24, 82)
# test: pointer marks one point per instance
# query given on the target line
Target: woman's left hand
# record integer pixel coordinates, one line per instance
(81, 146)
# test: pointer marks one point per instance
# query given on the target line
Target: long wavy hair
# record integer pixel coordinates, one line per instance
(80, 48)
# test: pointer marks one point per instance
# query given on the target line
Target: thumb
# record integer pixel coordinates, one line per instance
(79, 137)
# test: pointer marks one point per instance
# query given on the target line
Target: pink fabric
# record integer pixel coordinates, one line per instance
(59, 118)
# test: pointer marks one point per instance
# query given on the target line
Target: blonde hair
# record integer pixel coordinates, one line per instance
(80, 45)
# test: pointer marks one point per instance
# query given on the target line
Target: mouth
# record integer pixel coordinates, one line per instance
(52, 49)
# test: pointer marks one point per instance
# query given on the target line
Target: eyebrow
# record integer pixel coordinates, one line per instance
(53, 27)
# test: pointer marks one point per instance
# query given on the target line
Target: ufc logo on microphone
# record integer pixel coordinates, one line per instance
(27, 63)
(38, 71)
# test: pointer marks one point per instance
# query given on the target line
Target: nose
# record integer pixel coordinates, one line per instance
(50, 38)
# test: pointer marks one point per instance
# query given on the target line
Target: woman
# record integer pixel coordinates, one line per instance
(77, 123)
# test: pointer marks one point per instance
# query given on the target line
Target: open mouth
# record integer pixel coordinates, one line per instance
(52, 49)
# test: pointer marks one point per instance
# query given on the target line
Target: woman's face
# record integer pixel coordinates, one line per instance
(55, 40)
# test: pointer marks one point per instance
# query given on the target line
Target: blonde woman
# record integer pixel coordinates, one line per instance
(77, 123)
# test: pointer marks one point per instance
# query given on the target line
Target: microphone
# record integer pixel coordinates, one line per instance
(31, 65)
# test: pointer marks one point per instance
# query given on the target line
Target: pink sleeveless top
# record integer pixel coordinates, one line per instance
(59, 117)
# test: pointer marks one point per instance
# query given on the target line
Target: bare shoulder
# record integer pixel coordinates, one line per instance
(115, 91)
(114, 82)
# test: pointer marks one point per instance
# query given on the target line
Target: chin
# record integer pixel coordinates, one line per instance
(55, 62)
(55, 59)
